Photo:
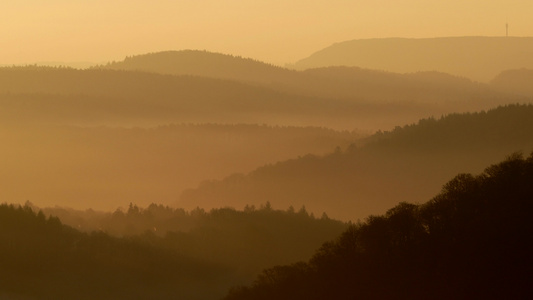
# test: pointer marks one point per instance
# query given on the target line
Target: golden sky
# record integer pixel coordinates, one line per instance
(276, 31)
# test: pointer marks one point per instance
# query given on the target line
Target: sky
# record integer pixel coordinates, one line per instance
(274, 31)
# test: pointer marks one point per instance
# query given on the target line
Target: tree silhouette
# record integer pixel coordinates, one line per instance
(471, 241)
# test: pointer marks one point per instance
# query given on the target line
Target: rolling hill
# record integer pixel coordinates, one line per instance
(103, 97)
(471, 241)
(477, 58)
(42, 258)
(339, 98)
(517, 81)
(406, 164)
(160, 163)
(374, 99)
(353, 83)
(203, 64)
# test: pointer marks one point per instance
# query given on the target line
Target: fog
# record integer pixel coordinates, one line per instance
(265, 150)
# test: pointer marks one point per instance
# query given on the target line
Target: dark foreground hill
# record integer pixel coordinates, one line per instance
(163, 254)
(471, 241)
(406, 164)
(478, 58)
(43, 259)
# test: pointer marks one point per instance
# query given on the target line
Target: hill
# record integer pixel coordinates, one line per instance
(478, 58)
(203, 64)
(102, 97)
(43, 259)
(356, 97)
(196, 255)
(518, 81)
(101, 165)
(406, 164)
(471, 241)
(108, 97)
(328, 82)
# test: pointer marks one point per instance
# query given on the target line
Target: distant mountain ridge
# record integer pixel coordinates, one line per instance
(518, 81)
(204, 64)
(344, 86)
(326, 82)
(478, 58)
(337, 97)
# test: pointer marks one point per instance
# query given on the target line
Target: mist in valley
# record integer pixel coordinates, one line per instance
(236, 160)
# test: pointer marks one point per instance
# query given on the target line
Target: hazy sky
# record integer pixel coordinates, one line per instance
(276, 31)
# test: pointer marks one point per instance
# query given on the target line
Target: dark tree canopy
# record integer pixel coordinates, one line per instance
(191, 255)
(472, 241)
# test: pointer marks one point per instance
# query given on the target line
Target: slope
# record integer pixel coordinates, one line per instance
(471, 241)
(336, 97)
(371, 99)
(478, 58)
(43, 259)
(518, 81)
(406, 164)
(203, 64)
(109, 97)
(329, 82)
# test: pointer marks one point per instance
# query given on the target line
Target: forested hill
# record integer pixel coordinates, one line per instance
(101, 97)
(42, 259)
(518, 81)
(343, 82)
(330, 82)
(163, 253)
(471, 241)
(478, 58)
(340, 98)
(406, 164)
(204, 64)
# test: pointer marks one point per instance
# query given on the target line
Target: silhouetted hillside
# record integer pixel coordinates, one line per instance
(245, 241)
(342, 98)
(478, 58)
(43, 259)
(471, 241)
(406, 164)
(189, 255)
(519, 81)
(102, 165)
(330, 82)
(61, 96)
(379, 86)
(204, 64)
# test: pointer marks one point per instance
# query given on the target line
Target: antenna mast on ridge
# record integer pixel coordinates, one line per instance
(507, 29)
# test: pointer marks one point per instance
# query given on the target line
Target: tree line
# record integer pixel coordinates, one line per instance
(471, 241)
(150, 253)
